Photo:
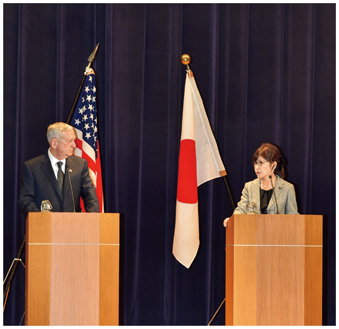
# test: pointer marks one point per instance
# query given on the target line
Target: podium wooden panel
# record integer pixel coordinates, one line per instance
(72, 269)
(274, 270)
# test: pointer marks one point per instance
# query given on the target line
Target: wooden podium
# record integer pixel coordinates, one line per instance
(274, 270)
(72, 269)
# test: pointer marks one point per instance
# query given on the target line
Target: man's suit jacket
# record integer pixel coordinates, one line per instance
(284, 192)
(38, 183)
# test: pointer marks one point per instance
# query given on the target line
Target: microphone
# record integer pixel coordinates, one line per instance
(70, 183)
(275, 198)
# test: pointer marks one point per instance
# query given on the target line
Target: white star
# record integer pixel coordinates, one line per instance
(84, 118)
(91, 116)
(88, 98)
(94, 89)
(86, 89)
(90, 107)
(90, 78)
(86, 126)
(88, 135)
(77, 122)
(93, 99)
(82, 99)
(81, 111)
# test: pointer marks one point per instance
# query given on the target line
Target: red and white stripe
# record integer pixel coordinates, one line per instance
(85, 151)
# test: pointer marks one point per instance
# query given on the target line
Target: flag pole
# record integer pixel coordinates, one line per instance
(186, 60)
(90, 59)
(227, 184)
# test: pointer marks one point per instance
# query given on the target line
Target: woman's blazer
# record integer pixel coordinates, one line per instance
(284, 192)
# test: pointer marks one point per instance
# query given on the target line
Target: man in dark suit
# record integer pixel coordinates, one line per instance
(57, 176)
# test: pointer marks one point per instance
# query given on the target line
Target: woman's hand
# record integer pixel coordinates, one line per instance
(226, 221)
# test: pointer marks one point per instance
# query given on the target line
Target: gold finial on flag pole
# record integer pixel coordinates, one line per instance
(186, 59)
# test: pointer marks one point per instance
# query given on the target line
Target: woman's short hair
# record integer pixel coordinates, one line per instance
(271, 153)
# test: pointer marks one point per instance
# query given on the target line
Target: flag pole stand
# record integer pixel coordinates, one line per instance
(11, 272)
(233, 205)
(209, 323)
(186, 60)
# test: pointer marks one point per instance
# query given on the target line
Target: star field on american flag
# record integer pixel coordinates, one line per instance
(85, 115)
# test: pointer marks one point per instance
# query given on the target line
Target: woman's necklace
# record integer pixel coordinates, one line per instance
(265, 187)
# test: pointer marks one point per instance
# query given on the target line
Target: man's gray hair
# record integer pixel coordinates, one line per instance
(56, 129)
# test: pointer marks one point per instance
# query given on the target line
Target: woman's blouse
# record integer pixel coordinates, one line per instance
(265, 197)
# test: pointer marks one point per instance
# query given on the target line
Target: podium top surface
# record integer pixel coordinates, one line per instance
(72, 228)
(281, 230)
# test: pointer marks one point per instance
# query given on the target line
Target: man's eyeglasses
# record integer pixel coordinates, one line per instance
(259, 163)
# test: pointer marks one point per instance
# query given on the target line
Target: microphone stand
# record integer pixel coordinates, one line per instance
(275, 198)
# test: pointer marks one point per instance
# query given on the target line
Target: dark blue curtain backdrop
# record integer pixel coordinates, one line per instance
(266, 72)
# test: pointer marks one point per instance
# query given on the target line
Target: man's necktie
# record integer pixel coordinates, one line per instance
(60, 177)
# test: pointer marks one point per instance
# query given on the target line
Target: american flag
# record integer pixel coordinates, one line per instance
(85, 122)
